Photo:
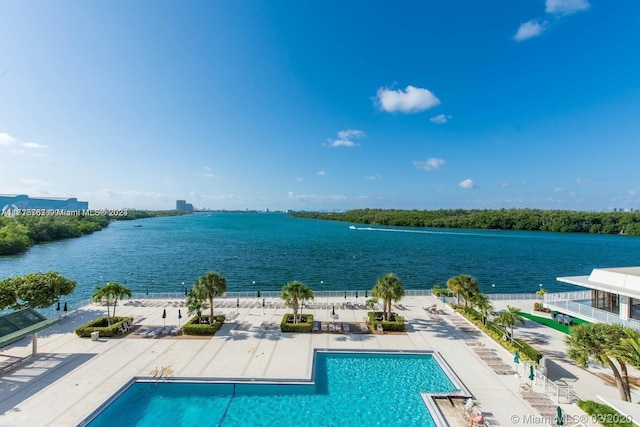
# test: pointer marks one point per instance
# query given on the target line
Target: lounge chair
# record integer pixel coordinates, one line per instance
(364, 327)
(316, 327)
(346, 328)
(324, 327)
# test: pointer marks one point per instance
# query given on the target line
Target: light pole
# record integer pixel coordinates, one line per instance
(321, 282)
(254, 287)
(184, 290)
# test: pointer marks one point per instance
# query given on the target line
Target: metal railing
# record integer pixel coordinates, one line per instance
(499, 297)
(591, 314)
(561, 393)
(567, 296)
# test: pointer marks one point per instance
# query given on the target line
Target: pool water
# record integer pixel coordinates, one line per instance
(351, 389)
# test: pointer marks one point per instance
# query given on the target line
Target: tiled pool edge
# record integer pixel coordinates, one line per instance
(428, 398)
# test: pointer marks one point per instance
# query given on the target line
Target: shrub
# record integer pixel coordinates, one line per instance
(192, 327)
(538, 306)
(526, 351)
(396, 325)
(305, 325)
(604, 414)
(102, 325)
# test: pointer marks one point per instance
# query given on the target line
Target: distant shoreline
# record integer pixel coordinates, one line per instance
(559, 221)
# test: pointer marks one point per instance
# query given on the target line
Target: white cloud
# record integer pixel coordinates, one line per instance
(34, 145)
(34, 181)
(321, 173)
(299, 178)
(440, 119)
(505, 184)
(467, 184)
(372, 177)
(566, 7)
(529, 29)
(345, 138)
(558, 189)
(315, 197)
(429, 164)
(208, 172)
(411, 100)
(6, 139)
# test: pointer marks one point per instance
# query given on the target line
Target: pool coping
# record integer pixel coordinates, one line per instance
(461, 391)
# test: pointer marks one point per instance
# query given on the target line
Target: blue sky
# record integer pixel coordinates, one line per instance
(322, 105)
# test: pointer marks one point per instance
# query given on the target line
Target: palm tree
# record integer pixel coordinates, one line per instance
(209, 286)
(294, 292)
(118, 290)
(601, 343)
(388, 288)
(465, 285)
(509, 317)
(483, 304)
(111, 291)
(195, 304)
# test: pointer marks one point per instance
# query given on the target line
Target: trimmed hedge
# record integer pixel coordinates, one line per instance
(194, 328)
(305, 325)
(397, 325)
(101, 325)
(526, 351)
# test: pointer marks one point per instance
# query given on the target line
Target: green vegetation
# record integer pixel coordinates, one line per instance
(209, 286)
(498, 333)
(304, 323)
(612, 346)
(508, 318)
(554, 325)
(102, 325)
(110, 293)
(388, 288)
(604, 415)
(34, 290)
(395, 322)
(292, 294)
(501, 219)
(463, 285)
(202, 326)
(19, 233)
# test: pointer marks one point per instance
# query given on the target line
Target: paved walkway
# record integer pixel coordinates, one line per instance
(72, 376)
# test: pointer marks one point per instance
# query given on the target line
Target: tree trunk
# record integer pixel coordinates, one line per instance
(108, 313)
(211, 306)
(618, 377)
(625, 378)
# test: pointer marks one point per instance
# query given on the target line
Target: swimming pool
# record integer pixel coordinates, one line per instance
(346, 389)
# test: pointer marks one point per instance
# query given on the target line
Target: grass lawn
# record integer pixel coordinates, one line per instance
(550, 323)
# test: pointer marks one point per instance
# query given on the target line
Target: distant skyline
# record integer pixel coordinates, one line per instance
(322, 105)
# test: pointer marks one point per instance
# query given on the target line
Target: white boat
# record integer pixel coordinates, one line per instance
(352, 227)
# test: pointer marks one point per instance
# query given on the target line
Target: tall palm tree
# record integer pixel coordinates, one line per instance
(118, 290)
(388, 288)
(195, 304)
(509, 317)
(111, 292)
(465, 285)
(209, 286)
(483, 304)
(294, 292)
(601, 343)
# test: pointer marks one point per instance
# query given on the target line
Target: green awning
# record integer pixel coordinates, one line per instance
(19, 324)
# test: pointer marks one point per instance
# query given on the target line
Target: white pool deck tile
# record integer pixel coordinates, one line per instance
(72, 376)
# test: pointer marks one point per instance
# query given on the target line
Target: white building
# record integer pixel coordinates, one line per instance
(612, 295)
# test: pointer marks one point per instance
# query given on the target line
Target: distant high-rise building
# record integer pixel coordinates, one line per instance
(183, 206)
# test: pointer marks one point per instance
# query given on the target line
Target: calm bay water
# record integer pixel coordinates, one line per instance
(273, 249)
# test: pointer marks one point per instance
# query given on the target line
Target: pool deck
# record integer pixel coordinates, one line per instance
(72, 376)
